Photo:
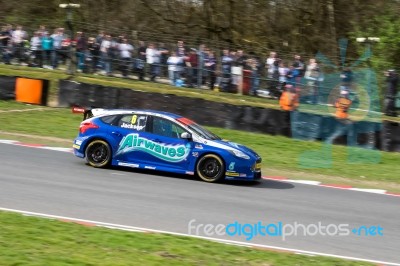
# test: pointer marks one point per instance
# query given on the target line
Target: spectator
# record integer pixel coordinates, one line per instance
(47, 50)
(255, 68)
(99, 39)
(313, 76)
(270, 64)
(210, 64)
(298, 69)
(36, 48)
(283, 72)
(289, 100)
(18, 37)
(58, 38)
(291, 76)
(93, 54)
(126, 50)
(163, 59)
(240, 59)
(202, 54)
(8, 52)
(226, 65)
(113, 52)
(343, 124)
(104, 51)
(5, 39)
(42, 30)
(174, 65)
(180, 49)
(140, 65)
(81, 49)
(153, 60)
(192, 62)
(65, 51)
(392, 81)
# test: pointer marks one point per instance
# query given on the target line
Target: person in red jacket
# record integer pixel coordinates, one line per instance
(191, 68)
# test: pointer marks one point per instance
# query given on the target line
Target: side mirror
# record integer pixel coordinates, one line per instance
(186, 135)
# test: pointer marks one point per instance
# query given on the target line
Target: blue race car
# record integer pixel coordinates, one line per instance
(161, 141)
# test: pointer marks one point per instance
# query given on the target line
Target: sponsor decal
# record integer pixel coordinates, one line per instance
(231, 174)
(170, 153)
(133, 165)
(137, 127)
(185, 121)
(198, 146)
(78, 110)
(76, 146)
(150, 167)
(242, 175)
(189, 173)
(195, 154)
(78, 142)
(231, 166)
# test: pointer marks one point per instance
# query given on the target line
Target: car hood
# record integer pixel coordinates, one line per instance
(232, 145)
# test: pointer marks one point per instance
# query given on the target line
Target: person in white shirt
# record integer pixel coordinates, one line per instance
(174, 67)
(104, 52)
(18, 36)
(269, 63)
(283, 71)
(153, 59)
(125, 50)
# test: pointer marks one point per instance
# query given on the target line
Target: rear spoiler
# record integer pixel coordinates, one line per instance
(87, 112)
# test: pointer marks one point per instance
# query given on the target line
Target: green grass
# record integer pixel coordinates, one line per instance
(37, 241)
(279, 153)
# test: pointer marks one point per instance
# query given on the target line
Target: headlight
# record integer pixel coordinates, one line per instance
(239, 154)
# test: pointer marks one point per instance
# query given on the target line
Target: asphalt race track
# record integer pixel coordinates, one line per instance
(58, 183)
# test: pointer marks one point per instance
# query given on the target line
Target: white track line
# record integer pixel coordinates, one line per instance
(231, 242)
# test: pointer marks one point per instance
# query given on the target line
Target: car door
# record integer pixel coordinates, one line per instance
(129, 129)
(164, 144)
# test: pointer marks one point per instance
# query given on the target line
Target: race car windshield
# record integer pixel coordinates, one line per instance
(204, 133)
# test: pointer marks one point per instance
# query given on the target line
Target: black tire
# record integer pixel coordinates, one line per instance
(210, 168)
(98, 153)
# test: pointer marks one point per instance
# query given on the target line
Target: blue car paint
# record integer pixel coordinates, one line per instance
(235, 167)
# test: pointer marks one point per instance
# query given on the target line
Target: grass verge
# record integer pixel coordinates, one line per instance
(281, 156)
(37, 241)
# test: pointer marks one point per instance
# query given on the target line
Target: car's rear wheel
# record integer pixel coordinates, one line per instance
(210, 168)
(98, 153)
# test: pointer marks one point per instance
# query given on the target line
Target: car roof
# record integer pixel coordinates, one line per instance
(102, 112)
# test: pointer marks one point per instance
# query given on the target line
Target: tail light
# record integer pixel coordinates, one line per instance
(86, 126)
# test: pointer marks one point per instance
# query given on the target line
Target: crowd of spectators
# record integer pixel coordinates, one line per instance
(199, 66)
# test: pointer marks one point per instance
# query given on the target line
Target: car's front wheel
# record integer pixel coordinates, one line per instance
(98, 153)
(210, 168)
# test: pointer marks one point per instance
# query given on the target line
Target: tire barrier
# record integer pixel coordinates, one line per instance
(390, 136)
(7, 88)
(26, 90)
(306, 126)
